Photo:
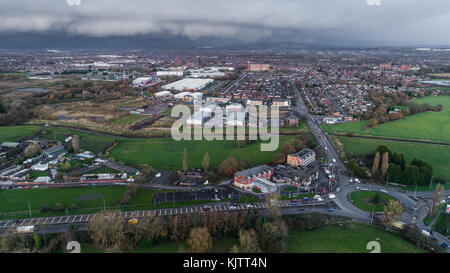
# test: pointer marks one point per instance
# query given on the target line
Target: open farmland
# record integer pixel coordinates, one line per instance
(428, 126)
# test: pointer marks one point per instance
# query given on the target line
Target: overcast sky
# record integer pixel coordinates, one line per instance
(390, 22)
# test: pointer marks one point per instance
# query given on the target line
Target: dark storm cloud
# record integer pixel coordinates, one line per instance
(408, 21)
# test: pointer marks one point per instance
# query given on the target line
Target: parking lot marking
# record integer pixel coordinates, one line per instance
(38, 221)
(6, 223)
(87, 218)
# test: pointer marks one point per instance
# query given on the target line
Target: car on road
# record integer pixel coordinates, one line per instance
(330, 209)
(301, 208)
(334, 160)
(383, 190)
(133, 221)
(444, 245)
(36, 187)
(331, 196)
(357, 180)
(93, 184)
(358, 187)
(402, 190)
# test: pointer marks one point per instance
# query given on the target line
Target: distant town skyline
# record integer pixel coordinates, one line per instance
(323, 22)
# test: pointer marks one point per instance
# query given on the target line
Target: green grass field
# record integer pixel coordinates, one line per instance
(166, 153)
(437, 155)
(90, 142)
(362, 200)
(351, 238)
(428, 126)
(219, 246)
(14, 203)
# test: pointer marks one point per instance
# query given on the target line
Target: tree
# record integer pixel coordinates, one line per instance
(76, 144)
(107, 229)
(272, 236)
(376, 163)
(32, 150)
(392, 212)
(278, 158)
(248, 242)
(37, 241)
(288, 148)
(146, 228)
(437, 197)
(200, 241)
(382, 149)
(385, 164)
(185, 161)
(376, 199)
(229, 166)
(205, 162)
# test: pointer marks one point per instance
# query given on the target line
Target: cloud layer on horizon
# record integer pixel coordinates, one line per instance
(394, 21)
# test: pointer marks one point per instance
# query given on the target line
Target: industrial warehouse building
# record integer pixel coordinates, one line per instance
(188, 84)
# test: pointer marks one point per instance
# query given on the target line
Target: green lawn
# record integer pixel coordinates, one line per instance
(362, 200)
(166, 153)
(437, 155)
(351, 238)
(429, 126)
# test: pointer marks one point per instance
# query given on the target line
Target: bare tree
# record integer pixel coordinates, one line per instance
(392, 212)
(385, 164)
(376, 163)
(76, 144)
(32, 150)
(200, 241)
(205, 162)
(185, 161)
(437, 197)
(107, 229)
(248, 242)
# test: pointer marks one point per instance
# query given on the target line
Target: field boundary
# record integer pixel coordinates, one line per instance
(353, 135)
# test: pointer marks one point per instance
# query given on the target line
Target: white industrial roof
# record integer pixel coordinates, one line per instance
(187, 83)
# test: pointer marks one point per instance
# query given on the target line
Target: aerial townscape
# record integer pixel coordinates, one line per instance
(88, 155)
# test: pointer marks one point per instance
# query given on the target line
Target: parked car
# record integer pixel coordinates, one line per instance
(444, 245)
(250, 206)
(206, 208)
